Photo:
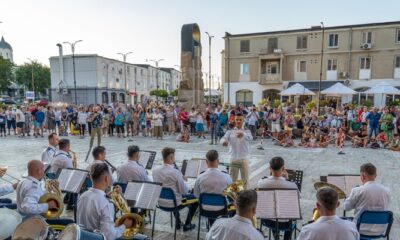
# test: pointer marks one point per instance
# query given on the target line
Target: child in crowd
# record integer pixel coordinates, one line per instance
(340, 140)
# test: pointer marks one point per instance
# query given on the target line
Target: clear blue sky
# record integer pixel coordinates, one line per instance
(151, 28)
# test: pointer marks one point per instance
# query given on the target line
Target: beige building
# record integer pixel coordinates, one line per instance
(260, 65)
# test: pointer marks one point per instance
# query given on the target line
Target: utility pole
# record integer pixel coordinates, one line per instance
(209, 67)
(73, 65)
(124, 55)
(320, 69)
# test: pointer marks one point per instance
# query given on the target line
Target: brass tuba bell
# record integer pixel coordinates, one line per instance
(121, 204)
(52, 193)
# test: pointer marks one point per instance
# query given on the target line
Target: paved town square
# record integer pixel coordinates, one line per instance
(15, 152)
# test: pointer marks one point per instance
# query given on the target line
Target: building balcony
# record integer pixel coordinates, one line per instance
(266, 79)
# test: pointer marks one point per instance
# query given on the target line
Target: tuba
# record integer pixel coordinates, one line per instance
(52, 193)
(121, 204)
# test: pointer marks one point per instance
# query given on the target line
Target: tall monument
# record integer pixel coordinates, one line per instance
(191, 89)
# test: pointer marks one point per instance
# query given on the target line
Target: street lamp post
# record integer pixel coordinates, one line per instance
(209, 67)
(124, 55)
(156, 62)
(73, 64)
(33, 78)
(320, 69)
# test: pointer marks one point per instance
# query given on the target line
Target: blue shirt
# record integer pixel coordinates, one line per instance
(39, 116)
(373, 119)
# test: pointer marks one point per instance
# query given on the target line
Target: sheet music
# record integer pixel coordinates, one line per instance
(287, 204)
(338, 181)
(71, 180)
(144, 158)
(203, 166)
(266, 205)
(192, 168)
(148, 196)
(351, 182)
(132, 191)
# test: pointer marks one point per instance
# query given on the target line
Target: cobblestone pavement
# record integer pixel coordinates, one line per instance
(15, 152)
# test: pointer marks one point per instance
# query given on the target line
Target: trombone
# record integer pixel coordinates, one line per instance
(3, 172)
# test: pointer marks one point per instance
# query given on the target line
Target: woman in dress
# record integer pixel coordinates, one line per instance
(200, 124)
(387, 125)
(51, 120)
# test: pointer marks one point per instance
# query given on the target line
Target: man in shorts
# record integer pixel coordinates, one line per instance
(38, 123)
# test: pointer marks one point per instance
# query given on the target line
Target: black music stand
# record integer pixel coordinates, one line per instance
(150, 161)
(296, 176)
(277, 217)
(133, 194)
(72, 187)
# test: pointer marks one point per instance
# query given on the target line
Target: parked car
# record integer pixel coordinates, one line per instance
(7, 101)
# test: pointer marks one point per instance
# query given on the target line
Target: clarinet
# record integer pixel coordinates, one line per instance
(109, 164)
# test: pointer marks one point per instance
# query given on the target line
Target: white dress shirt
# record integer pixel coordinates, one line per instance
(212, 180)
(272, 182)
(236, 228)
(131, 171)
(95, 211)
(371, 196)
(61, 160)
(172, 178)
(239, 148)
(48, 154)
(29, 191)
(329, 228)
(6, 189)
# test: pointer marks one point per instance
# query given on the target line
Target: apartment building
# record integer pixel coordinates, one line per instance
(103, 80)
(260, 65)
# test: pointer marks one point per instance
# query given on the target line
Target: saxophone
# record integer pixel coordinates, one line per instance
(121, 204)
(53, 192)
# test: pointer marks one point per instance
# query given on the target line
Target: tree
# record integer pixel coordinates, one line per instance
(174, 93)
(159, 93)
(41, 76)
(5, 73)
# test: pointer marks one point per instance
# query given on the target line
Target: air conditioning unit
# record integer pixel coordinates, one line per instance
(343, 74)
(278, 50)
(65, 91)
(366, 46)
(347, 82)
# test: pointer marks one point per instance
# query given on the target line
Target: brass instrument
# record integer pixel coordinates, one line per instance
(74, 159)
(52, 193)
(3, 172)
(319, 185)
(121, 204)
(231, 192)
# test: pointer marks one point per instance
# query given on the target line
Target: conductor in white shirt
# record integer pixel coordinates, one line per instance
(329, 226)
(132, 170)
(278, 179)
(371, 196)
(238, 140)
(172, 178)
(95, 211)
(49, 152)
(239, 227)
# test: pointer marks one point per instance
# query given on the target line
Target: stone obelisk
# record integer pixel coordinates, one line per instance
(191, 88)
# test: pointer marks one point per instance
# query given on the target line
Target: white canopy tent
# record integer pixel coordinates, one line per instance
(382, 89)
(338, 89)
(296, 90)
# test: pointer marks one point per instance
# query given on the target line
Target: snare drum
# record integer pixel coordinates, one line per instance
(9, 220)
(75, 232)
(32, 228)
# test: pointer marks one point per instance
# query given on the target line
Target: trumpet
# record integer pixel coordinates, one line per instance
(3, 172)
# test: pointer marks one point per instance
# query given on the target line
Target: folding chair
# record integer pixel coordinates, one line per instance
(211, 206)
(375, 217)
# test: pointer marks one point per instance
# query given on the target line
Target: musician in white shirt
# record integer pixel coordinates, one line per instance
(172, 178)
(329, 226)
(95, 210)
(278, 179)
(371, 196)
(239, 227)
(8, 187)
(132, 170)
(99, 156)
(62, 159)
(49, 152)
(239, 149)
(29, 192)
(212, 180)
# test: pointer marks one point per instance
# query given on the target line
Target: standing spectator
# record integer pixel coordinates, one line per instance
(129, 121)
(148, 122)
(82, 121)
(158, 124)
(64, 119)
(11, 120)
(135, 118)
(192, 121)
(106, 121)
(20, 119)
(170, 116)
(28, 122)
(51, 120)
(183, 118)
(97, 122)
(3, 120)
(142, 121)
(275, 123)
(252, 118)
(111, 122)
(119, 122)
(200, 124)
(38, 123)
(387, 125)
(57, 115)
(373, 123)
(213, 126)
(289, 123)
